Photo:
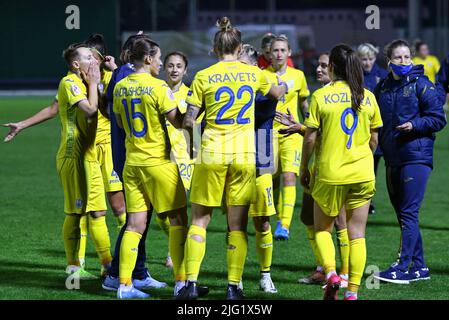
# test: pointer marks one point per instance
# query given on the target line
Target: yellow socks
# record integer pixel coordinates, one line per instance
(312, 241)
(176, 244)
(164, 224)
(236, 255)
(288, 205)
(279, 204)
(100, 236)
(195, 247)
(83, 240)
(264, 248)
(128, 256)
(357, 260)
(71, 236)
(121, 220)
(326, 249)
(343, 244)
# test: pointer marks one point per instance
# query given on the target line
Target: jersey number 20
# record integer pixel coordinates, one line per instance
(230, 103)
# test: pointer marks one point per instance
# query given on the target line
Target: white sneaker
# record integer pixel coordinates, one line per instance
(178, 286)
(344, 280)
(267, 285)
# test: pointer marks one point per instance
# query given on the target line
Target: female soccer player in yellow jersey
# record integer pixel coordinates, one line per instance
(175, 66)
(318, 276)
(288, 148)
(226, 163)
(141, 105)
(348, 117)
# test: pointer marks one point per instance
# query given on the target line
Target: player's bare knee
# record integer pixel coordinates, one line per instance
(289, 179)
(197, 238)
(97, 214)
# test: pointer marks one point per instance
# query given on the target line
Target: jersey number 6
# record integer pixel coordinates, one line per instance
(135, 115)
(230, 103)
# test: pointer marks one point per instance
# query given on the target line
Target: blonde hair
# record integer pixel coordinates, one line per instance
(250, 53)
(227, 39)
(367, 49)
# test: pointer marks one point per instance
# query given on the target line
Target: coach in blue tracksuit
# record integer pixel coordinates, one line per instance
(412, 111)
(372, 75)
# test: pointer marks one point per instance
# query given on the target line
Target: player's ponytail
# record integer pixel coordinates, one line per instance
(141, 48)
(227, 39)
(347, 66)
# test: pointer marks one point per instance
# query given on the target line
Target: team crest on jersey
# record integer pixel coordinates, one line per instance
(79, 203)
(75, 89)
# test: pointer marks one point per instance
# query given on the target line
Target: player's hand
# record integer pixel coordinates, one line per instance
(109, 63)
(14, 129)
(93, 75)
(406, 127)
(305, 178)
(294, 128)
(286, 119)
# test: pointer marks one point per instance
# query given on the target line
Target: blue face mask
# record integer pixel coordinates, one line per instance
(400, 69)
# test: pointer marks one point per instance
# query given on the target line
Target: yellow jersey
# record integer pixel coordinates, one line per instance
(343, 155)
(431, 66)
(297, 85)
(177, 139)
(104, 124)
(77, 131)
(227, 90)
(142, 101)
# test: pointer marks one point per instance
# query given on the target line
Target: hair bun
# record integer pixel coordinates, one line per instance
(224, 24)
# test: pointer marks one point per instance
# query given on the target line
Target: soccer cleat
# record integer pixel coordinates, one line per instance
(110, 283)
(266, 284)
(331, 288)
(281, 233)
(344, 280)
(350, 296)
(169, 262)
(129, 292)
(393, 275)
(148, 283)
(188, 292)
(418, 274)
(234, 293)
(317, 277)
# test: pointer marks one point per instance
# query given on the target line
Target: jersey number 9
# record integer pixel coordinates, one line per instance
(349, 131)
(230, 103)
(135, 115)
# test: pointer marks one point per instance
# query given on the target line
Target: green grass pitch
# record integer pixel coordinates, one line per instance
(32, 260)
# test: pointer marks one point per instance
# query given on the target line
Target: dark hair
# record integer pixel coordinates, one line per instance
(227, 39)
(419, 44)
(250, 52)
(395, 44)
(96, 41)
(143, 47)
(179, 54)
(267, 39)
(347, 66)
(71, 52)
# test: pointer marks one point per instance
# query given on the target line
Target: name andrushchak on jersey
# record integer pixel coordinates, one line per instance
(232, 77)
(133, 91)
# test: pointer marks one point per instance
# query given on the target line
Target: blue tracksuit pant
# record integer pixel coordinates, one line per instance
(406, 188)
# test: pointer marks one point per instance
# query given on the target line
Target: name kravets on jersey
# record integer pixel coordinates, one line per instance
(234, 77)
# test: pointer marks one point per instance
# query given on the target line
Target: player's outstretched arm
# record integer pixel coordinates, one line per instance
(276, 92)
(93, 78)
(45, 114)
(292, 126)
(188, 123)
(175, 117)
